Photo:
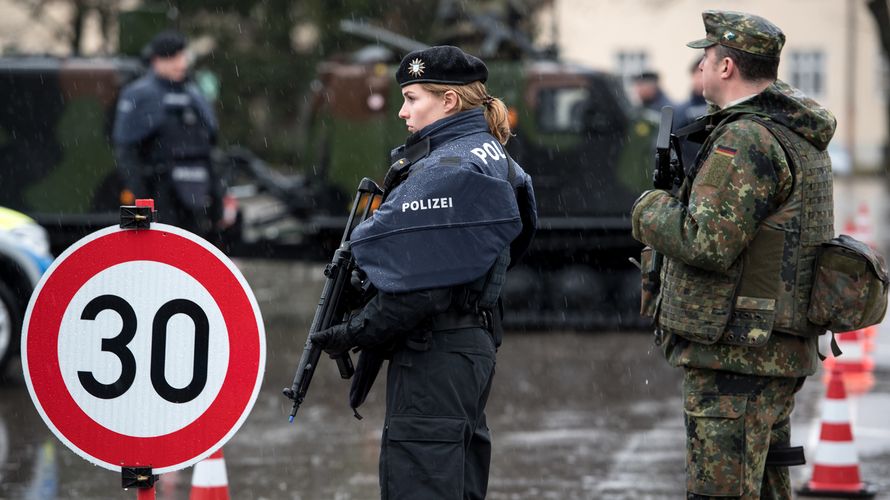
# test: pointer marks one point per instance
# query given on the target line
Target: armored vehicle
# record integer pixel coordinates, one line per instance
(56, 163)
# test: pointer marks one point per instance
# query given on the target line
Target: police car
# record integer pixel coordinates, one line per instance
(24, 257)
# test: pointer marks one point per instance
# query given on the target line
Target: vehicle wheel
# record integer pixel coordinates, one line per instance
(10, 327)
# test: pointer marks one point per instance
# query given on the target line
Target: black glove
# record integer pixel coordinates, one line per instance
(334, 340)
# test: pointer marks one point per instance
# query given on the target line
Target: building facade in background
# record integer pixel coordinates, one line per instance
(832, 53)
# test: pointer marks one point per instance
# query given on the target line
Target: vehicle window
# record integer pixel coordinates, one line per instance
(562, 109)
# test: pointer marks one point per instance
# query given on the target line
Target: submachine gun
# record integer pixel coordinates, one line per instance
(339, 295)
(668, 171)
(668, 174)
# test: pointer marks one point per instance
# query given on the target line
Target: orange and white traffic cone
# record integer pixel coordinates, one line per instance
(854, 364)
(863, 230)
(836, 467)
(868, 336)
(863, 226)
(209, 481)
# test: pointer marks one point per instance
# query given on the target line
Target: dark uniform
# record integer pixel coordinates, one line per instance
(437, 251)
(658, 99)
(740, 241)
(164, 132)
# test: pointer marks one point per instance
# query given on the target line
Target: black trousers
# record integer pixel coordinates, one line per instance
(436, 444)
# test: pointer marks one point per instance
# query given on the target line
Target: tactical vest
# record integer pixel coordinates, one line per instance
(183, 136)
(768, 287)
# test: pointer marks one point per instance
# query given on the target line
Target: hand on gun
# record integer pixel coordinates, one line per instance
(334, 340)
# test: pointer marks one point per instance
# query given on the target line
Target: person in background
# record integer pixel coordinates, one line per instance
(690, 110)
(164, 133)
(648, 91)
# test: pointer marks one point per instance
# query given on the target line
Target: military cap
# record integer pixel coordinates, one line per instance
(166, 43)
(441, 64)
(745, 32)
(646, 76)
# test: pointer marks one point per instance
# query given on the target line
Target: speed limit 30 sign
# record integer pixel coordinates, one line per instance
(143, 348)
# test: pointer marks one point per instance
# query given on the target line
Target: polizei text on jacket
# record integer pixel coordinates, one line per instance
(427, 204)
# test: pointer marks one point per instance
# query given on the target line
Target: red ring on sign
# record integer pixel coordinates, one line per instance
(212, 426)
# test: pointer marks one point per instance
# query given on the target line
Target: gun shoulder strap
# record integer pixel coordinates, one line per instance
(398, 171)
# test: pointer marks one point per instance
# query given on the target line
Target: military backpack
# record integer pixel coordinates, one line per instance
(849, 286)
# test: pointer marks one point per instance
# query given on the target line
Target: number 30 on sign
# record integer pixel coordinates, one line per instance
(143, 348)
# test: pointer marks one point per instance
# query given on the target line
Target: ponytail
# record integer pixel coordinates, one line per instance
(498, 118)
(474, 95)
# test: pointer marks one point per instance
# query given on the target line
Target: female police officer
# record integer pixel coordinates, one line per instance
(456, 210)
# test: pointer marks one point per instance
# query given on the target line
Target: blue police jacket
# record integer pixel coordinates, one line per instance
(459, 208)
(143, 106)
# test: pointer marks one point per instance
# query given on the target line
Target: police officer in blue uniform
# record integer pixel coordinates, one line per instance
(164, 132)
(457, 211)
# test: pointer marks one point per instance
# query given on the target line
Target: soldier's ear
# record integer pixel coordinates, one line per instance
(451, 101)
(727, 67)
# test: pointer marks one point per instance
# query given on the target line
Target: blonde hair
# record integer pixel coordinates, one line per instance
(474, 95)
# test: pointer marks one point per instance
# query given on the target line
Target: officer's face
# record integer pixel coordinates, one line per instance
(171, 68)
(713, 75)
(421, 107)
(710, 75)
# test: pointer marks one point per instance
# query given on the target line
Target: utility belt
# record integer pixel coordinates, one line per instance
(457, 320)
(189, 180)
(188, 170)
(450, 322)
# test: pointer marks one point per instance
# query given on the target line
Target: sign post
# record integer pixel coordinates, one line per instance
(143, 349)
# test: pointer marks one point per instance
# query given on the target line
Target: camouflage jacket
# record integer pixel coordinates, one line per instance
(740, 178)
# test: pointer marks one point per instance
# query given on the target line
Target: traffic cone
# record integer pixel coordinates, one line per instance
(863, 228)
(854, 365)
(863, 231)
(209, 481)
(836, 467)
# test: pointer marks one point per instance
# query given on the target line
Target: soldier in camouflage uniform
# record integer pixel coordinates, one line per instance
(739, 240)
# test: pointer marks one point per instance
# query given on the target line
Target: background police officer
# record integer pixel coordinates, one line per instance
(163, 135)
(739, 242)
(648, 91)
(438, 269)
(690, 110)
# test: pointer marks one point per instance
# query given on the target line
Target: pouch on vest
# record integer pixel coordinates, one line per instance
(751, 322)
(650, 281)
(849, 286)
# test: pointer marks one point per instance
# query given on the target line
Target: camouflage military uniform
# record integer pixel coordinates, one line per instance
(741, 368)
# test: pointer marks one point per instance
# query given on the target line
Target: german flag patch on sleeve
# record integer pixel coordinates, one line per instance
(725, 151)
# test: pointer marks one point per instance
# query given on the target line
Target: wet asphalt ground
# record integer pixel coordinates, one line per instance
(573, 416)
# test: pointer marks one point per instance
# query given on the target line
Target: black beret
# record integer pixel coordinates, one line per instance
(166, 44)
(442, 64)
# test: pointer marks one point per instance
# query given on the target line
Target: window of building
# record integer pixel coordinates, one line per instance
(808, 71)
(630, 63)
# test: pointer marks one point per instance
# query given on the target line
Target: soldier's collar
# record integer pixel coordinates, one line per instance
(740, 100)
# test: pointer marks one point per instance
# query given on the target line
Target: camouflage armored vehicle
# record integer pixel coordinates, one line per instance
(56, 163)
(587, 148)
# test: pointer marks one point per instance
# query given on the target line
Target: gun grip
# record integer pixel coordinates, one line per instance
(344, 364)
